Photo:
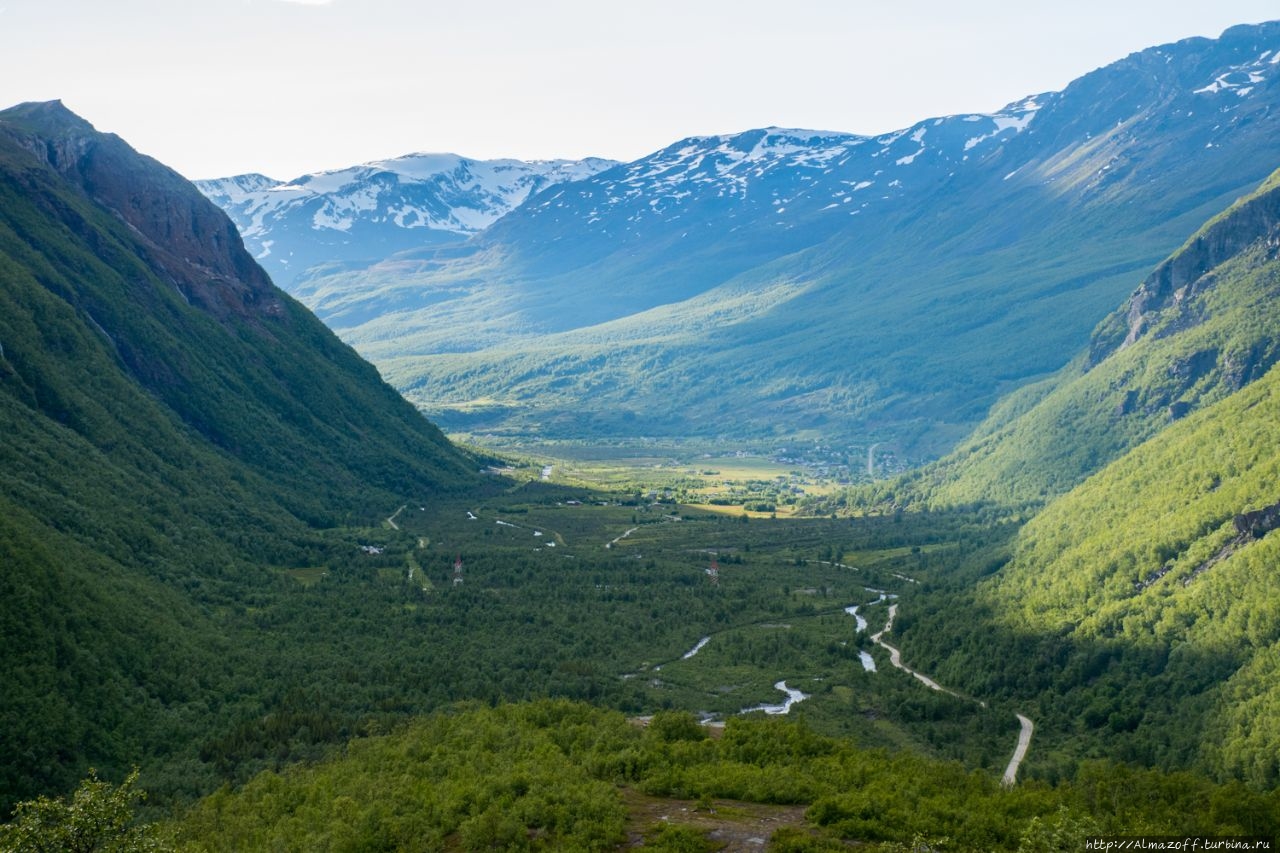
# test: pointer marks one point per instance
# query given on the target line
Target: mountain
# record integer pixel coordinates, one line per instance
(1137, 611)
(1201, 326)
(1137, 614)
(366, 213)
(775, 282)
(177, 432)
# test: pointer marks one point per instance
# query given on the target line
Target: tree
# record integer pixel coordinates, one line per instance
(98, 818)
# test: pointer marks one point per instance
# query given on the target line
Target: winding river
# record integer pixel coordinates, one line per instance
(793, 696)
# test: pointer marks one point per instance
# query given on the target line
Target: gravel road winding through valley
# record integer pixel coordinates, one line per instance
(1027, 728)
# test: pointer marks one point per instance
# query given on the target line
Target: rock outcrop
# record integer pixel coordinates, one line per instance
(189, 238)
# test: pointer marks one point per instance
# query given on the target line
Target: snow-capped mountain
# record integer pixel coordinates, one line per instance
(770, 278)
(771, 178)
(707, 209)
(367, 212)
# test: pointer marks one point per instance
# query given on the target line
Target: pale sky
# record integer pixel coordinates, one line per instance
(285, 87)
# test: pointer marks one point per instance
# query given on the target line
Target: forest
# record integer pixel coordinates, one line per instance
(564, 775)
(241, 576)
(484, 667)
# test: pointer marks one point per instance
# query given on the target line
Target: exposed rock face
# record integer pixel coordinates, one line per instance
(1176, 282)
(192, 241)
(1211, 299)
(1256, 524)
(1241, 368)
(1250, 526)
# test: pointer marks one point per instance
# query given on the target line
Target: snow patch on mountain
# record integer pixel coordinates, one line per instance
(438, 191)
(365, 213)
(783, 170)
(1241, 79)
(1016, 120)
(727, 164)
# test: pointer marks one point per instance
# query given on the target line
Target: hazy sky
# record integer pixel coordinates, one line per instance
(284, 87)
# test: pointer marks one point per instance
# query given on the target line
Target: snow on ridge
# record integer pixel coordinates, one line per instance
(728, 161)
(728, 165)
(1015, 117)
(890, 138)
(425, 190)
(322, 183)
(421, 166)
(1241, 79)
(338, 212)
(918, 138)
(1016, 122)
(428, 166)
(238, 186)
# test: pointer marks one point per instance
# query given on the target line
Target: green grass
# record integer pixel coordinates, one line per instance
(307, 576)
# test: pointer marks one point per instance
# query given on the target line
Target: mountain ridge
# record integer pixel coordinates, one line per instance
(175, 431)
(1199, 327)
(376, 208)
(1134, 609)
(965, 232)
(209, 615)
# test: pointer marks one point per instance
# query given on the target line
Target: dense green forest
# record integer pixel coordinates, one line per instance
(1138, 609)
(354, 647)
(280, 665)
(231, 557)
(174, 429)
(1135, 608)
(560, 775)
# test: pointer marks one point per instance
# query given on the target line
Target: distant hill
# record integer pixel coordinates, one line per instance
(360, 215)
(774, 282)
(172, 425)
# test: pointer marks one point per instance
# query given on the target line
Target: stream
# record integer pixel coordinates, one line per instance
(693, 651)
(852, 610)
(793, 696)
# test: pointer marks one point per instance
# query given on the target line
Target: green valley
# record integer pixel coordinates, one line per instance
(241, 573)
(778, 285)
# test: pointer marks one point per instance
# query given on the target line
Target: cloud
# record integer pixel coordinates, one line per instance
(308, 2)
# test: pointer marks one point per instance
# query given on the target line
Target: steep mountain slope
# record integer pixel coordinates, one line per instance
(1139, 610)
(769, 282)
(172, 425)
(1201, 326)
(368, 212)
(1138, 617)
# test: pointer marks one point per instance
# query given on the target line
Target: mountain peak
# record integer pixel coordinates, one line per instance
(369, 211)
(196, 245)
(46, 118)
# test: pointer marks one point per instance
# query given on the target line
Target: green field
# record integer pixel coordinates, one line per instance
(755, 482)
